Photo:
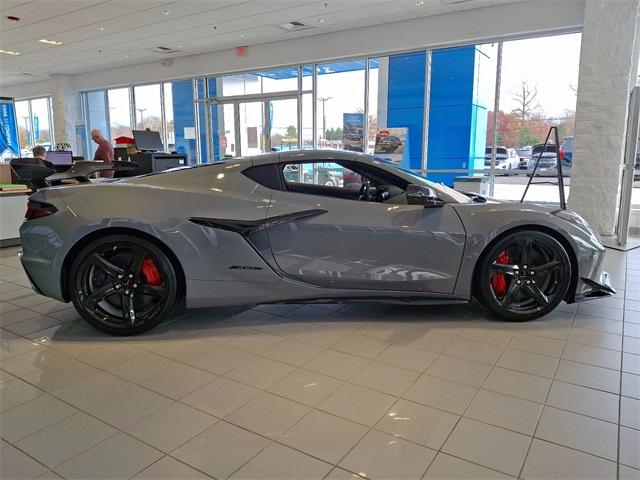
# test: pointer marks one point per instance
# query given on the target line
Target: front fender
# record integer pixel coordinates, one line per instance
(486, 222)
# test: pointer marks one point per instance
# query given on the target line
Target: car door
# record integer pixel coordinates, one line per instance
(335, 240)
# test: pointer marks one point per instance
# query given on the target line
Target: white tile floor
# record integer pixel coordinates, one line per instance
(330, 391)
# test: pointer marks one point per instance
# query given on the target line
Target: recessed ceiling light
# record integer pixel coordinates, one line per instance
(103, 29)
(127, 56)
(322, 20)
(50, 42)
(419, 3)
(9, 52)
(243, 35)
(167, 12)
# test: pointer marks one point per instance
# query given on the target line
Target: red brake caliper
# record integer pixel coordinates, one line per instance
(150, 272)
(498, 279)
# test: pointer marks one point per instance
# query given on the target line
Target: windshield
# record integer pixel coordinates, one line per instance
(444, 193)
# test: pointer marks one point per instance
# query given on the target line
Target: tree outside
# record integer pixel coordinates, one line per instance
(292, 133)
(527, 124)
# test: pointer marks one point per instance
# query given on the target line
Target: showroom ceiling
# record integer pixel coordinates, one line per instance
(75, 36)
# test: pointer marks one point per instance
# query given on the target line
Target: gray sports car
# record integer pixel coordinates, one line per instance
(127, 251)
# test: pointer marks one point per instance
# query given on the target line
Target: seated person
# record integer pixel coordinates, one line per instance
(40, 154)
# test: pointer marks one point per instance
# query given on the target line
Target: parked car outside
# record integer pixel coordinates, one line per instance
(524, 153)
(506, 158)
(548, 157)
(566, 152)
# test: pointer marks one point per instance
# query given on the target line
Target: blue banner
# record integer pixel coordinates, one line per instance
(8, 128)
(36, 129)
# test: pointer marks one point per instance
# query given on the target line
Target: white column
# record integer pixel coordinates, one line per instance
(383, 91)
(608, 69)
(66, 110)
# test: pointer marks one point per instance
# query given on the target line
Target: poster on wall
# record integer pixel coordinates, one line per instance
(9, 146)
(352, 131)
(391, 143)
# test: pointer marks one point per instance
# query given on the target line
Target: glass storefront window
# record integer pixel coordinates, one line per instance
(96, 116)
(263, 81)
(148, 108)
(34, 124)
(41, 118)
(119, 112)
(340, 105)
(25, 135)
(283, 124)
(372, 121)
(307, 121)
(168, 117)
(537, 91)
(307, 77)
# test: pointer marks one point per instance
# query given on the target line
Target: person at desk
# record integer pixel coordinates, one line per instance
(104, 152)
(40, 154)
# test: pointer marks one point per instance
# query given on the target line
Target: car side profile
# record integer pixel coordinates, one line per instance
(253, 230)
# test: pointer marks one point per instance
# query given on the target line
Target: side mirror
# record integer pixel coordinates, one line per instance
(421, 195)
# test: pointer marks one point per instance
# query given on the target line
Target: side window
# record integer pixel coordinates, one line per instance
(327, 174)
(266, 175)
(348, 181)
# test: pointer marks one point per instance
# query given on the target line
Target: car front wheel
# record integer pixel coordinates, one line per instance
(123, 284)
(523, 276)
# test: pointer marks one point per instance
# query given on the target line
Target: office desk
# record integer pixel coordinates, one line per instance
(157, 162)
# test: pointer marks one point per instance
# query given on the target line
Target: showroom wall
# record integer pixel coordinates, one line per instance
(476, 27)
(463, 27)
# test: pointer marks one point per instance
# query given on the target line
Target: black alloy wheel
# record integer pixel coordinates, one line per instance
(524, 276)
(123, 285)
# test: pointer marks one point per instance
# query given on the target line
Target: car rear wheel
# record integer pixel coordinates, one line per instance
(123, 285)
(523, 276)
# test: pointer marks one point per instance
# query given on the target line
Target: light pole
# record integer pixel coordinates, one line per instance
(324, 117)
(140, 110)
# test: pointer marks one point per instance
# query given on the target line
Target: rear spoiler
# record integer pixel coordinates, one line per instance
(80, 171)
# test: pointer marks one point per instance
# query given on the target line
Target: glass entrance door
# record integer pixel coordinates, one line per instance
(283, 124)
(253, 127)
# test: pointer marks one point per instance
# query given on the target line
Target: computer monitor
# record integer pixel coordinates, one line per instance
(147, 140)
(60, 158)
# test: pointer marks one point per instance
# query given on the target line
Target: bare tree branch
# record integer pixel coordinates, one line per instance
(526, 100)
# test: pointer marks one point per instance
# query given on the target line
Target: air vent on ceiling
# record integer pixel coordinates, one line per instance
(24, 74)
(294, 26)
(163, 50)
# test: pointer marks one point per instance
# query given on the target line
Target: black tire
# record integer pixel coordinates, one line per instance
(526, 282)
(110, 290)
